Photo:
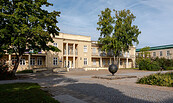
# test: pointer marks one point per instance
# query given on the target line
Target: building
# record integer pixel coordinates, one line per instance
(165, 51)
(77, 51)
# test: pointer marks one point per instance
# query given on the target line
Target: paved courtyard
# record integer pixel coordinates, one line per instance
(79, 87)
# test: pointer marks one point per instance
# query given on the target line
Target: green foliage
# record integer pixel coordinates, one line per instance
(117, 33)
(25, 26)
(158, 79)
(25, 71)
(5, 74)
(148, 64)
(24, 93)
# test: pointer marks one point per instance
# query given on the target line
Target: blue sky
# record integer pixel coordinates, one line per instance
(154, 18)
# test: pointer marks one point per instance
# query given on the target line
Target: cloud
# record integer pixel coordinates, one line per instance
(153, 17)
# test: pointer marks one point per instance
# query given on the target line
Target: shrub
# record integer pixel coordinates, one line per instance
(5, 73)
(25, 71)
(148, 64)
(158, 79)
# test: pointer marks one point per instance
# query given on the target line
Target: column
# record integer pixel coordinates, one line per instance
(29, 58)
(9, 60)
(127, 63)
(119, 62)
(74, 55)
(66, 54)
(110, 62)
(101, 61)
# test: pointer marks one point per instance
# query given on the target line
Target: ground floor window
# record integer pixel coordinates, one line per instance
(104, 62)
(55, 61)
(39, 61)
(14, 59)
(32, 61)
(94, 62)
(22, 61)
(85, 61)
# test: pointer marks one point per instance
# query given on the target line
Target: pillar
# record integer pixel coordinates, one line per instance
(127, 63)
(66, 54)
(119, 62)
(9, 60)
(74, 56)
(29, 58)
(110, 62)
(101, 62)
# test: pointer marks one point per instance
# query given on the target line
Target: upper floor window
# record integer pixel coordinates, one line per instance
(22, 61)
(85, 61)
(94, 50)
(154, 54)
(168, 53)
(55, 61)
(55, 44)
(85, 48)
(161, 53)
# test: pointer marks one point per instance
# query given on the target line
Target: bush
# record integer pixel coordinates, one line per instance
(148, 64)
(158, 79)
(5, 73)
(25, 71)
(169, 68)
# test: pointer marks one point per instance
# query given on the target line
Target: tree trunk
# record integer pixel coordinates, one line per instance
(114, 60)
(16, 65)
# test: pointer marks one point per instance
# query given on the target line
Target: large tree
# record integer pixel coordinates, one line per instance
(117, 33)
(25, 25)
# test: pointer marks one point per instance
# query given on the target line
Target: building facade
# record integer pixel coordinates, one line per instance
(165, 51)
(77, 51)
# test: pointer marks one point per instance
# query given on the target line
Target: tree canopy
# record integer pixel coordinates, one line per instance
(25, 25)
(117, 33)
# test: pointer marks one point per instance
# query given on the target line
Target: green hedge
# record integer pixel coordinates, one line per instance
(25, 71)
(158, 79)
(148, 64)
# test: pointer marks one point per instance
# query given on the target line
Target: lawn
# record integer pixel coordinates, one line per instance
(24, 93)
(160, 79)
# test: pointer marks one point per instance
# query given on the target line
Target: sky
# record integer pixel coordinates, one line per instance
(154, 18)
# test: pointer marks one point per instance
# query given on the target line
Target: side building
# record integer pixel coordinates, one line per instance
(165, 51)
(77, 51)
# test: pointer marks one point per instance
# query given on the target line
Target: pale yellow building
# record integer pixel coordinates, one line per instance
(77, 51)
(165, 51)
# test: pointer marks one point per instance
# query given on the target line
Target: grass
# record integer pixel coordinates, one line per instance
(24, 93)
(159, 79)
(25, 71)
(130, 68)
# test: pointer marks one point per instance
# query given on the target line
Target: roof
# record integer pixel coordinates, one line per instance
(158, 47)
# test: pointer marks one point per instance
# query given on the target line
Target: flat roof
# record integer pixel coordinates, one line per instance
(158, 47)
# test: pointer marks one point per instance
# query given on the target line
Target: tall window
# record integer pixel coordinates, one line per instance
(14, 59)
(94, 62)
(85, 61)
(55, 61)
(85, 48)
(168, 53)
(104, 62)
(39, 61)
(55, 44)
(32, 61)
(154, 54)
(161, 53)
(22, 61)
(94, 50)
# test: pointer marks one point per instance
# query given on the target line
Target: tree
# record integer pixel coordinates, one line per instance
(25, 26)
(117, 33)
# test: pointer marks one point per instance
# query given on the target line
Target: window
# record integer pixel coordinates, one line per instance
(108, 62)
(85, 61)
(32, 61)
(14, 59)
(104, 62)
(55, 44)
(55, 61)
(94, 62)
(168, 53)
(39, 61)
(128, 54)
(154, 54)
(85, 48)
(94, 50)
(22, 61)
(121, 62)
(161, 53)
